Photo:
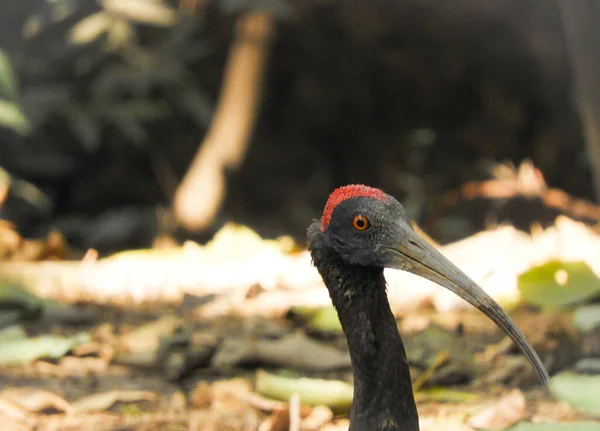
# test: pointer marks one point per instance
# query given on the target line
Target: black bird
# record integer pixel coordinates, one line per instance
(362, 231)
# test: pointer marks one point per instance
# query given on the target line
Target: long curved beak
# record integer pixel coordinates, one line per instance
(415, 255)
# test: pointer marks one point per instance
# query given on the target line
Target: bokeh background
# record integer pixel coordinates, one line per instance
(416, 97)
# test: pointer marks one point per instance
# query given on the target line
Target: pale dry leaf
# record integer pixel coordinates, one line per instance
(36, 400)
(142, 11)
(278, 421)
(105, 400)
(568, 241)
(10, 409)
(119, 34)
(201, 396)
(201, 421)
(228, 394)
(507, 411)
(146, 338)
(319, 416)
(177, 402)
(83, 366)
(90, 28)
(264, 404)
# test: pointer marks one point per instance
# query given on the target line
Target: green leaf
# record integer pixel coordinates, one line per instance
(12, 117)
(8, 79)
(441, 394)
(558, 284)
(26, 350)
(579, 390)
(333, 393)
(14, 298)
(195, 103)
(14, 332)
(573, 426)
(84, 126)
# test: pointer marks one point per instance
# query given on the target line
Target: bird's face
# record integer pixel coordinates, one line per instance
(362, 229)
(367, 227)
(375, 231)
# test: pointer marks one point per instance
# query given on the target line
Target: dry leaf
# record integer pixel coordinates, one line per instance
(319, 416)
(35, 400)
(201, 396)
(143, 11)
(229, 393)
(105, 400)
(507, 411)
(146, 338)
(90, 28)
(294, 350)
(10, 409)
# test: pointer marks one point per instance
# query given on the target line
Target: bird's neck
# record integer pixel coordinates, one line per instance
(383, 396)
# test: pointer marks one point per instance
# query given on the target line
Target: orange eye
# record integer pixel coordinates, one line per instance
(361, 223)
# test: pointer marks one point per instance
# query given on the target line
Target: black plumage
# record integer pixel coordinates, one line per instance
(362, 231)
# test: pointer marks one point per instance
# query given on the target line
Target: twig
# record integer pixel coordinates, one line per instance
(295, 412)
(226, 141)
(440, 359)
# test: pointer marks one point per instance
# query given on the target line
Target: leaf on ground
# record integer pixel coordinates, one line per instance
(587, 318)
(14, 332)
(334, 394)
(444, 395)
(14, 297)
(147, 337)
(105, 400)
(292, 351)
(423, 349)
(36, 400)
(90, 28)
(230, 394)
(579, 390)
(23, 351)
(505, 412)
(56, 312)
(10, 410)
(558, 284)
(12, 116)
(574, 426)
(142, 11)
(9, 317)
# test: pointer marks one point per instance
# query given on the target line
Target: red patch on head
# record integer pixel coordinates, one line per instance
(341, 194)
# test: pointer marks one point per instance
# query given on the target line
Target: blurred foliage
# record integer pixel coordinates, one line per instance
(11, 113)
(278, 8)
(333, 393)
(123, 68)
(581, 391)
(558, 284)
(15, 298)
(587, 318)
(17, 348)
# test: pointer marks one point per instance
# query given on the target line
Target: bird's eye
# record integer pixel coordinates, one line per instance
(360, 222)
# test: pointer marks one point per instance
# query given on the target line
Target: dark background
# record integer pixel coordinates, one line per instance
(417, 97)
